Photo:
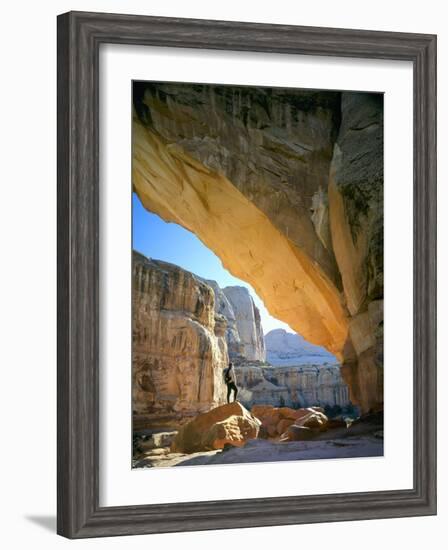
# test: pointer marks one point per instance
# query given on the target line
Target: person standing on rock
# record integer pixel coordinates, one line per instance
(230, 380)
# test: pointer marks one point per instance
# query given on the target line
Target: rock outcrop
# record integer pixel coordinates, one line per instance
(229, 424)
(306, 426)
(285, 186)
(355, 193)
(301, 386)
(248, 323)
(223, 307)
(246, 191)
(179, 346)
(286, 349)
(290, 424)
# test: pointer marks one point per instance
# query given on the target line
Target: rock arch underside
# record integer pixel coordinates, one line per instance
(286, 187)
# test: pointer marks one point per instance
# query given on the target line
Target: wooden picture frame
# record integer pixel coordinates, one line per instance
(79, 38)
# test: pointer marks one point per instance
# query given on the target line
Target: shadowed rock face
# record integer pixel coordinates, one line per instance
(286, 188)
(356, 219)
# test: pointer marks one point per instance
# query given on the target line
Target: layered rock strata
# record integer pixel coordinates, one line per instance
(355, 192)
(179, 345)
(235, 346)
(299, 386)
(285, 186)
(248, 323)
(235, 211)
(244, 333)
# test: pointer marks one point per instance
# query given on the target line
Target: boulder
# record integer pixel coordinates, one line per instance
(261, 411)
(228, 424)
(298, 433)
(158, 440)
(275, 421)
(286, 412)
(309, 424)
(233, 431)
(314, 420)
(284, 424)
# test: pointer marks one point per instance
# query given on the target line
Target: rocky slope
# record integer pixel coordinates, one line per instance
(179, 345)
(285, 186)
(299, 386)
(286, 349)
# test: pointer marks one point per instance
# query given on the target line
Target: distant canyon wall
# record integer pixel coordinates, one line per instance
(285, 186)
(298, 386)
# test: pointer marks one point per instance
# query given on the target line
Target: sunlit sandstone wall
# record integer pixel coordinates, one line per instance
(179, 345)
(248, 322)
(273, 182)
(302, 386)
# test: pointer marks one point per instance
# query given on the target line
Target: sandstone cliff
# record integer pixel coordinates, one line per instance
(356, 218)
(223, 307)
(299, 386)
(285, 186)
(179, 345)
(248, 323)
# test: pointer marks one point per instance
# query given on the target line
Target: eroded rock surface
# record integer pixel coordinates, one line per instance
(179, 350)
(263, 235)
(285, 186)
(302, 386)
(229, 424)
(356, 219)
(235, 346)
(248, 323)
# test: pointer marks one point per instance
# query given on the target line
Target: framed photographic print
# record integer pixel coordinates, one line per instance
(246, 274)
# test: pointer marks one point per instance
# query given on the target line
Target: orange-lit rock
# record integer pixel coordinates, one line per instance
(286, 188)
(228, 424)
(294, 288)
(178, 358)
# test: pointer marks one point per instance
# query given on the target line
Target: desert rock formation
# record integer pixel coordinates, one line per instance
(248, 323)
(185, 331)
(299, 386)
(179, 345)
(285, 186)
(228, 424)
(223, 307)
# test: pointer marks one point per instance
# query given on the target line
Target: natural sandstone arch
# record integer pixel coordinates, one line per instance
(309, 162)
(294, 288)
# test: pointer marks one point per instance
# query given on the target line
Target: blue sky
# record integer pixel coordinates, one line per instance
(172, 243)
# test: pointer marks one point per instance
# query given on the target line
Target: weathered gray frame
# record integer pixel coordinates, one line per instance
(79, 37)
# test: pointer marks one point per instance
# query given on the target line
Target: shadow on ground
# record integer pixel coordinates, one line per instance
(46, 522)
